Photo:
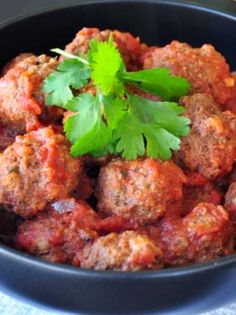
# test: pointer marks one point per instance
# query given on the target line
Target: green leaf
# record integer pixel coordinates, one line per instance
(59, 92)
(109, 149)
(158, 82)
(93, 48)
(95, 139)
(178, 126)
(69, 73)
(114, 121)
(156, 122)
(114, 110)
(165, 114)
(105, 63)
(130, 142)
(85, 118)
(160, 142)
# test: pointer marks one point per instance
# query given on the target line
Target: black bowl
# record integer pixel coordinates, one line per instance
(180, 290)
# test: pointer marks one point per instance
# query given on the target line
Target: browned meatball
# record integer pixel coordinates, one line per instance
(174, 242)
(210, 232)
(200, 107)
(36, 169)
(230, 203)
(128, 251)
(211, 145)
(140, 190)
(230, 197)
(193, 195)
(130, 47)
(204, 67)
(21, 98)
(204, 234)
(231, 104)
(7, 136)
(12, 63)
(60, 234)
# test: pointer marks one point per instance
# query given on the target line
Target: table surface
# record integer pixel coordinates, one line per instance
(11, 9)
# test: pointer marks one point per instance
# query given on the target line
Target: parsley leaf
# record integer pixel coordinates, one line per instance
(69, 73)
(105, 63)
(97, 139)
(115, 121)
(160, 142)
(93, 48)
(147, 121)
(85, 118)
(130, 142)
(85, 129)
(165, 114)
(159, 82)
(114, 110)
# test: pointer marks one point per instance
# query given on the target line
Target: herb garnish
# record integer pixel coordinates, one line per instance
(115, 120)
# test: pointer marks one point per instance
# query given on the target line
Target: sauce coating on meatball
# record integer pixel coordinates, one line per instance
(141, 190)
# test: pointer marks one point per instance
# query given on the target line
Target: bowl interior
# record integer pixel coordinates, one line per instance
(155, 22)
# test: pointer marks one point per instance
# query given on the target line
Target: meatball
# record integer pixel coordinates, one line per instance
(129, 47)
(230, 203)
(36, 169)
(211, 145)
(230, 197)
(60, 234)
(193, 195)
(204, 67)
(128, 251)
(21, 98)
(195, 179)
(140, 190)
(231, 104)
(210, 232)
(200, 106)
(12, 63)
(174, 242)
(204, 234)
(7, 136)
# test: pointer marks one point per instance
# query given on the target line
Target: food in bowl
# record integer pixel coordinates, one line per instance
(120, 156)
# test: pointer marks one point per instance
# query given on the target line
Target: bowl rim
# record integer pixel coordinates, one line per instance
(218, 10)
(22, 257)
(172, 272)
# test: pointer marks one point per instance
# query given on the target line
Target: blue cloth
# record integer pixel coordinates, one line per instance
(10, 306)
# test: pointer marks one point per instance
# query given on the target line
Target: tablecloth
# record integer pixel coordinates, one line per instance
(11, 306)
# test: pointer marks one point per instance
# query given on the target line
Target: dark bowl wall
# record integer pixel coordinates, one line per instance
(180, 291)
(155, 24)
(174, 292)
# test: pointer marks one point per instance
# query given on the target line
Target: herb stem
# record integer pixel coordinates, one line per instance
(69, 55)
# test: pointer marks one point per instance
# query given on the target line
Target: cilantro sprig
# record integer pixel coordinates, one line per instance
(115, 120)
